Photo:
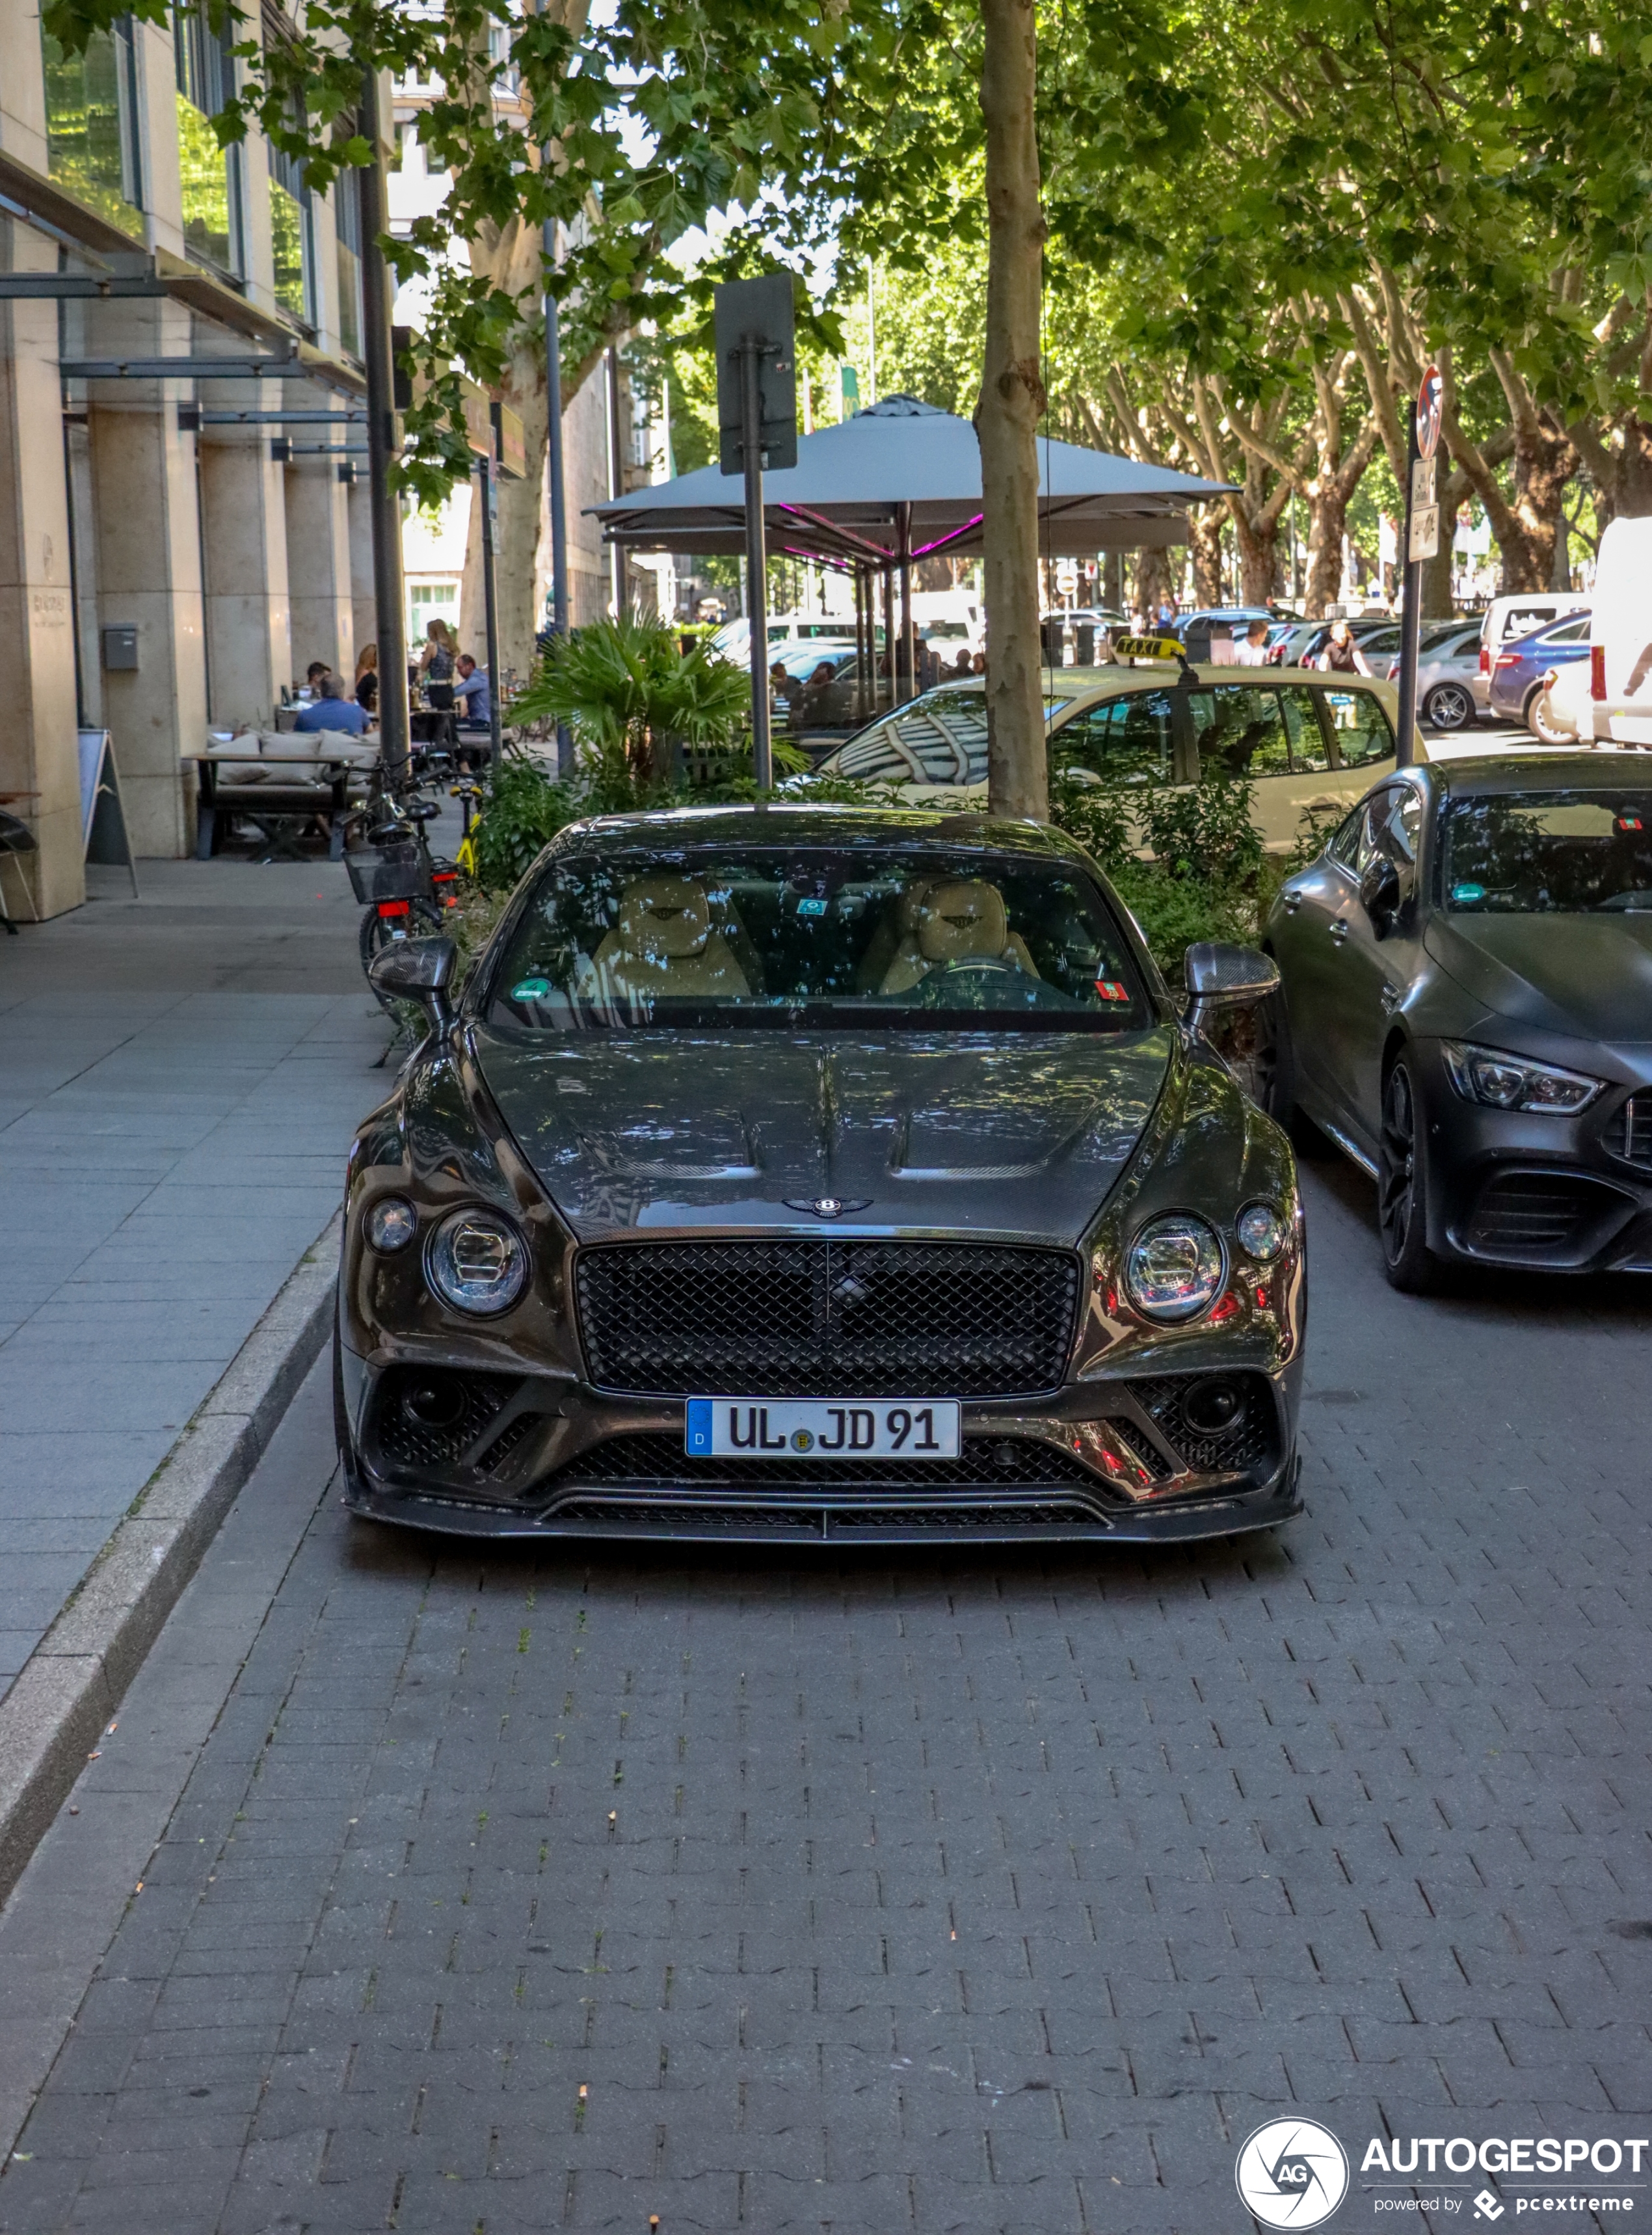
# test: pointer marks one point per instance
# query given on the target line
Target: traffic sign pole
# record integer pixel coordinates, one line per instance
(1422, 540)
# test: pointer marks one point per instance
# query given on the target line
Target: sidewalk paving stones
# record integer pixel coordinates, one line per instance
(548, 1888)
(180, 1073)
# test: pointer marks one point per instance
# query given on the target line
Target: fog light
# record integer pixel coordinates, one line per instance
(478, 1261)
(434, 1404)
(392, 1223)
(1212, 1407)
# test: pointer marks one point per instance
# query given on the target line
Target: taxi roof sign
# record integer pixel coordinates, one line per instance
(1149, 648)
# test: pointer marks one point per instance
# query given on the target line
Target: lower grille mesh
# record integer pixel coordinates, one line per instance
(1535, 1215)
(988, 1461)
(1628, 1131)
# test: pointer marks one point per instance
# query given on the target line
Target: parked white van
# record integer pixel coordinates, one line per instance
(1620, 636)
(1508, 618)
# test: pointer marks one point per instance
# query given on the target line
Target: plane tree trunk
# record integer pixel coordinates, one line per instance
(1008, 415)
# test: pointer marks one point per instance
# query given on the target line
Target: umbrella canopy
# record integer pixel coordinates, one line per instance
(902, 480)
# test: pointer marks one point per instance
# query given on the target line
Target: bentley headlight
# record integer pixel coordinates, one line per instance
(1510, 1082)
(1261, 1231)
(478, 1261)
(392, 1223)
(1175, 1268)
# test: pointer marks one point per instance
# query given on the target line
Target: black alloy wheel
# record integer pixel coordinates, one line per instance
(1449, 706)
(1402, 1186)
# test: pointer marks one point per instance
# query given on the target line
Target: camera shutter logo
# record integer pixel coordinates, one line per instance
(1292, 2172)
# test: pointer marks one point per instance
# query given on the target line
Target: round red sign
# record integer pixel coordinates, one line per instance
(1431, 398)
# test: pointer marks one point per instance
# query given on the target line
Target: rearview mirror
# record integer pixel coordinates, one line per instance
(1379, 893)
(416, 970)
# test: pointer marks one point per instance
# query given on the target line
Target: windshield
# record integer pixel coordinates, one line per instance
(1539, 853)
(940, 739)
(822, 936)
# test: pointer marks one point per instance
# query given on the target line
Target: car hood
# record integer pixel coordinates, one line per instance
(1587, 976)
(1007, 1133)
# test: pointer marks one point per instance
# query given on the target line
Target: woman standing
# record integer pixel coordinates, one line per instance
(436, 666)
(1341, 656)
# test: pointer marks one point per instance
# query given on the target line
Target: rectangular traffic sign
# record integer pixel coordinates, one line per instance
(1425, 531)
(1423, 482)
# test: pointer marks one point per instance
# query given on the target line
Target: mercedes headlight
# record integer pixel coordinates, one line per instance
(1175, 1268)
(1510, 1082)
(478, 1261)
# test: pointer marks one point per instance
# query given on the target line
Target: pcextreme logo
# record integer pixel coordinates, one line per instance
(1292, 2172)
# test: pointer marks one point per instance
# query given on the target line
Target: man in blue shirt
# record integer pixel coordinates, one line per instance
(333, 711)
(476, 698)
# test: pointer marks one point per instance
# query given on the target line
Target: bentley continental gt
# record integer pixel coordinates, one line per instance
(791, 1173)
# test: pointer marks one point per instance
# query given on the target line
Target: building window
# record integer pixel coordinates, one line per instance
(211, 175)
(346, 202)
(428, 602)
(92, 123)
(290, 218)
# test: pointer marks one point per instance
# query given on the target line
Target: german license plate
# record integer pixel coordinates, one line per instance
(823, 1428)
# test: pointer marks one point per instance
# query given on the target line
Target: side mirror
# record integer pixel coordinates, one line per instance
(1379, 893)
(1228, 985)
(1220, 975)
(417, 970)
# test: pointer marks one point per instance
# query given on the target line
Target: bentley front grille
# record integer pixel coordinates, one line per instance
(826, 1318)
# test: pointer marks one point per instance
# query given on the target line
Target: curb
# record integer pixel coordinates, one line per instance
(74, 1679)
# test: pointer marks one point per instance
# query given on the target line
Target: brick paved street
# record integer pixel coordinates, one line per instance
(533, 1891)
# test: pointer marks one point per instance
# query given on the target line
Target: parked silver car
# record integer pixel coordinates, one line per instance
(1448, 662)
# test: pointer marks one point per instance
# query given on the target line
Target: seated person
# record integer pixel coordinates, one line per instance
(333, 711)
(961, 923)
(313, 676)
(665, 942)
(473, 693)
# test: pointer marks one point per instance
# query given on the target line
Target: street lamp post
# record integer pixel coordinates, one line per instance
(1422, 540)
(558, 484)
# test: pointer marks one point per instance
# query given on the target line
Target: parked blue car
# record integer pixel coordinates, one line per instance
(1518, 671)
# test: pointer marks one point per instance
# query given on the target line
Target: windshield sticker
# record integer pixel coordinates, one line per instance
(530, 989)
(1110, 990)
(1468, 892)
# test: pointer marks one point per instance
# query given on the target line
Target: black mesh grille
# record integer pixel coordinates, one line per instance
(987, 1460)
(1535, 1215)
(437, 1417)
(825, 1318)
(1137, 1441)
(1252, 1438)
(661, 1516)
(1628, 1131)
(460, 1405)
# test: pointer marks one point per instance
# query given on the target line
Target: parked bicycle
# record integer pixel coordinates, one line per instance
(405, 890)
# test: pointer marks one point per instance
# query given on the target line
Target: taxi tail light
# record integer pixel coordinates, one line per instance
(1597, 670)
(1485, 660)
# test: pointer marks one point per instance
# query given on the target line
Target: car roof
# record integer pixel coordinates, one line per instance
(1563, 769)
(794, 823)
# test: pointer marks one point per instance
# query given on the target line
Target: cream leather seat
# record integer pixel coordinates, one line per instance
(964, 922)
(666, 942)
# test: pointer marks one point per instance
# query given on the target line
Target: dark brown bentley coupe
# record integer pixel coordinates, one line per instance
(799, 1173)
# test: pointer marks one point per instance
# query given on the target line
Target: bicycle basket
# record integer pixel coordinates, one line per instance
(400, 876)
